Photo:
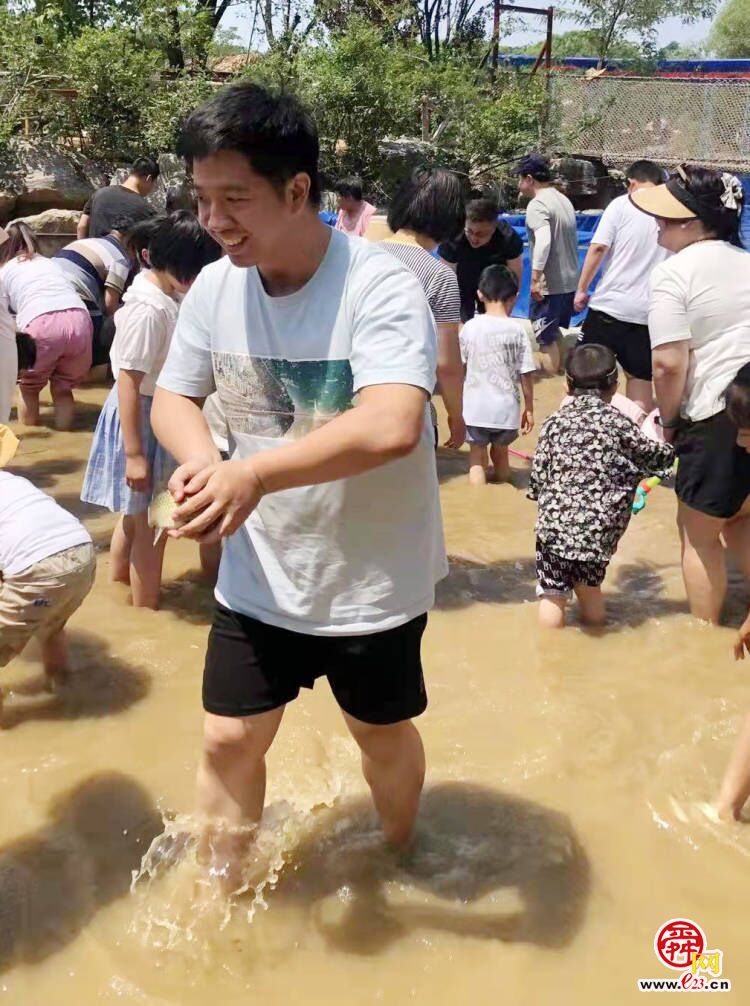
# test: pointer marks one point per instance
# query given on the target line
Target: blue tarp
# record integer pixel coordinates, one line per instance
(586, 225)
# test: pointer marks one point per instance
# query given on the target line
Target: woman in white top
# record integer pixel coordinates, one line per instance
(699, 325)
(47, 307)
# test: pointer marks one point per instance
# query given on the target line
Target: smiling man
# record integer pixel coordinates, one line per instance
(322, 350)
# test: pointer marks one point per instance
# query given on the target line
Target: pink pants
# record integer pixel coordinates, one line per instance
(63, 350)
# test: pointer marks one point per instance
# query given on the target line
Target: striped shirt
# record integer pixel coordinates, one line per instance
(436, 279)
(94, 265)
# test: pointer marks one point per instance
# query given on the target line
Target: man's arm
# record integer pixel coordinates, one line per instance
(591, 265)
(111, 300)
(516, 267)
(385, 424)
(542, 246)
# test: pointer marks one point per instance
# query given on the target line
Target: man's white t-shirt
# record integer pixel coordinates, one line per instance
(631, 236)
(497, 352)
(355, 556)
(36, 286)
(701, 296)
(33, 526)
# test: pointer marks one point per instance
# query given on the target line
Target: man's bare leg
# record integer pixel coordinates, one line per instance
(641, 392)
(55, 658)
(551, 360)
(231, 784)
(393, 764)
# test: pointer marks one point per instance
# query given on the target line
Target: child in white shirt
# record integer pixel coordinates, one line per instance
(127, 466)
(47, 567)
(498, 358)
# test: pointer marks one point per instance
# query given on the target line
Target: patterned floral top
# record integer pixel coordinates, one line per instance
(587, 466)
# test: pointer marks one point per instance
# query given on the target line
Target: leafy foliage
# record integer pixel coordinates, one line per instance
(730, 38)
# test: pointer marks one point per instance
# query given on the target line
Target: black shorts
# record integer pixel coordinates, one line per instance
(713, 475)
(252, 668)
(556, 575)
(629, 342)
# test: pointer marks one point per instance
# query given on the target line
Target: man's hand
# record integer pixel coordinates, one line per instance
(742, 640)
(537, 290)
(457, 429)
(137, 473)
(580, 301)
(527, 421)
(185, 480)
(218, 499)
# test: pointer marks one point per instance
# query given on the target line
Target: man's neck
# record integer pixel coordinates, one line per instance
(299, 260)
(132, 183)
(538, 186)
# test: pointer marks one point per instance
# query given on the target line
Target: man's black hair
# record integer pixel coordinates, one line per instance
(591, 368)
(351, 187)
(138, 236)
(497, 284)
(482, 211)
(645, 171)
(271, 129)
(145, 167)
(180, 246)
(429, 203)
(738, 399)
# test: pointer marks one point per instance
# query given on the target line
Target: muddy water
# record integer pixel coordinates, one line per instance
(562, 823)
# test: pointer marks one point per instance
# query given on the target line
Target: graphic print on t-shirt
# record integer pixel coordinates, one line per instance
(275, 398)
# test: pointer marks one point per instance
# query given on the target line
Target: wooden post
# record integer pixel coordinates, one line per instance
(495, 37)
(426, 118)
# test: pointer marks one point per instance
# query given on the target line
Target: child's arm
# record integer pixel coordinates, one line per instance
(128, 403)
(527, 419)
(649, 456)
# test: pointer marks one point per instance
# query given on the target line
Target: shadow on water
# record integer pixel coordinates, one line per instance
(53, 881)
(484, 864)
(100, 685)
(636, 599)
(189, 596)
(44, 474)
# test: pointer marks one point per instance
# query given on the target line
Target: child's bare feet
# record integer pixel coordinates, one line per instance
(477, 475)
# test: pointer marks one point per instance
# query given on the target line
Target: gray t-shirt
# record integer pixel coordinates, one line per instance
(550, 207)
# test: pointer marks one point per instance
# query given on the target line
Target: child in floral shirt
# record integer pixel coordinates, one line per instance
(587, 466)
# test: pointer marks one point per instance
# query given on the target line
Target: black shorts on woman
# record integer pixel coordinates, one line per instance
(713, 475)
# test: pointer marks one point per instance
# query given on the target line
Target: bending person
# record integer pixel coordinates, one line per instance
(699, 323)
(46, 306)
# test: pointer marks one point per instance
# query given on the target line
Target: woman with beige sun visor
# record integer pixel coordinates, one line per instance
(699, 326)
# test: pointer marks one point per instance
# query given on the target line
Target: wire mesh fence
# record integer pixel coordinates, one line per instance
(703, 121)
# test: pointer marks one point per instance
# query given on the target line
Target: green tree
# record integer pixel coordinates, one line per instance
(730, 37)
(612, 21)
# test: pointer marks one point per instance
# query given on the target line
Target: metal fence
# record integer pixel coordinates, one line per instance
(622, 119)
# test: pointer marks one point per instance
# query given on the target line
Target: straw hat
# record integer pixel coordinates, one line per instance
(660, 201)
(8, 445)
(3, 236)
